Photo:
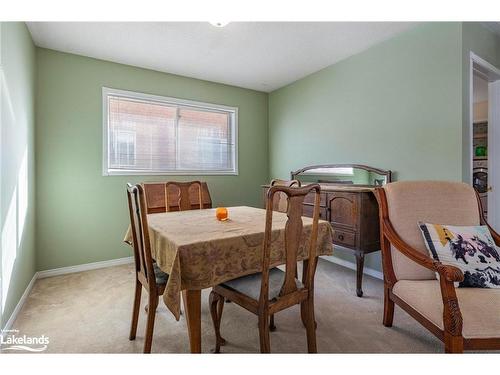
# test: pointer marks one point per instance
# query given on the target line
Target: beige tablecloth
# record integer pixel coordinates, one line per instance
(198, 251)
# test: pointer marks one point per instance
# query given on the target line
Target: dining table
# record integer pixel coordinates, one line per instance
(199, 251)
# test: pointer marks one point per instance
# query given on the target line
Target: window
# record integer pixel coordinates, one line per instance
(147, 134)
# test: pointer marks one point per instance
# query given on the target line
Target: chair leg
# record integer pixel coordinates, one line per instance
(303, 318)
(453, 344)
(272, 327)
(307, 310)
(216, 303)
(388, 308)
(146, 308)
(265, 344)
(135, 310)
(148, 340)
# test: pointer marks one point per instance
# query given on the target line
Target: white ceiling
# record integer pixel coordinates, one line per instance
(257, 55)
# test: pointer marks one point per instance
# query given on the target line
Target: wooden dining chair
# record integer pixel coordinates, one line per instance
(148, 275)
(163, 198)
(274, 290)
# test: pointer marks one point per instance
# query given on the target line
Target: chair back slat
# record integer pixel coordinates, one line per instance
(293, 233)
(183, 199)
(140, 233)
(280, 199)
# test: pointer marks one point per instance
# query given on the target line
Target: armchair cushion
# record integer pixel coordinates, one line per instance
(480, 307)
(471, 249)
(410, 202)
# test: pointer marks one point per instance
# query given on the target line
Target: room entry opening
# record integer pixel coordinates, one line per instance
(485, 135)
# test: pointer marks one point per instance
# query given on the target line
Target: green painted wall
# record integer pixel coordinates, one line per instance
(81, 215)
(486, 44)
(395, 106)
(17, 182)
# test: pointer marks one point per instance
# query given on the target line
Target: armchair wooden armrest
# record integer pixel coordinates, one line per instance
(449, 273)
(452, 316)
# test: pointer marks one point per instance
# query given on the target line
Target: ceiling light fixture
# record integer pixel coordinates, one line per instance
(219, 24)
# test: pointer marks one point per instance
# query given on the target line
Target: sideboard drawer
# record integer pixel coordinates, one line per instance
(345, 238)
(308, 211)
(309, 198)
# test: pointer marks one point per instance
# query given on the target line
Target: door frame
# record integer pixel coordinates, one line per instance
(475, 59)
(491, 72)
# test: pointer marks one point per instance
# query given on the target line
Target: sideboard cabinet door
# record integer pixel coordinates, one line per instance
(344, 210)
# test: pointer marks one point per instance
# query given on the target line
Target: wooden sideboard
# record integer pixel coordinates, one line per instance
(353, 214)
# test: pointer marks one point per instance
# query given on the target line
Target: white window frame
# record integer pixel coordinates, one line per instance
(106, 171)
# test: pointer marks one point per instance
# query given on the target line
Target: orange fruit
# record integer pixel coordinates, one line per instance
(221, 213)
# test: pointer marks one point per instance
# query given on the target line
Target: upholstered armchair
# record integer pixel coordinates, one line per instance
(463, 318)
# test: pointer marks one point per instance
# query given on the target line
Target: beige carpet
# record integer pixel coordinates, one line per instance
(89, 312)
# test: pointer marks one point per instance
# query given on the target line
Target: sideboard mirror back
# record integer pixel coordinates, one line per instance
(342, 174)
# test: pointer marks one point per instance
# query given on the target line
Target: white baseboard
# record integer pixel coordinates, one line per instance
(352, 266)
(62, 271)
(21, 302)
(84, 267)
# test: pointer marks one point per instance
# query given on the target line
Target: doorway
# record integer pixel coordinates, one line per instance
(485, 133)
